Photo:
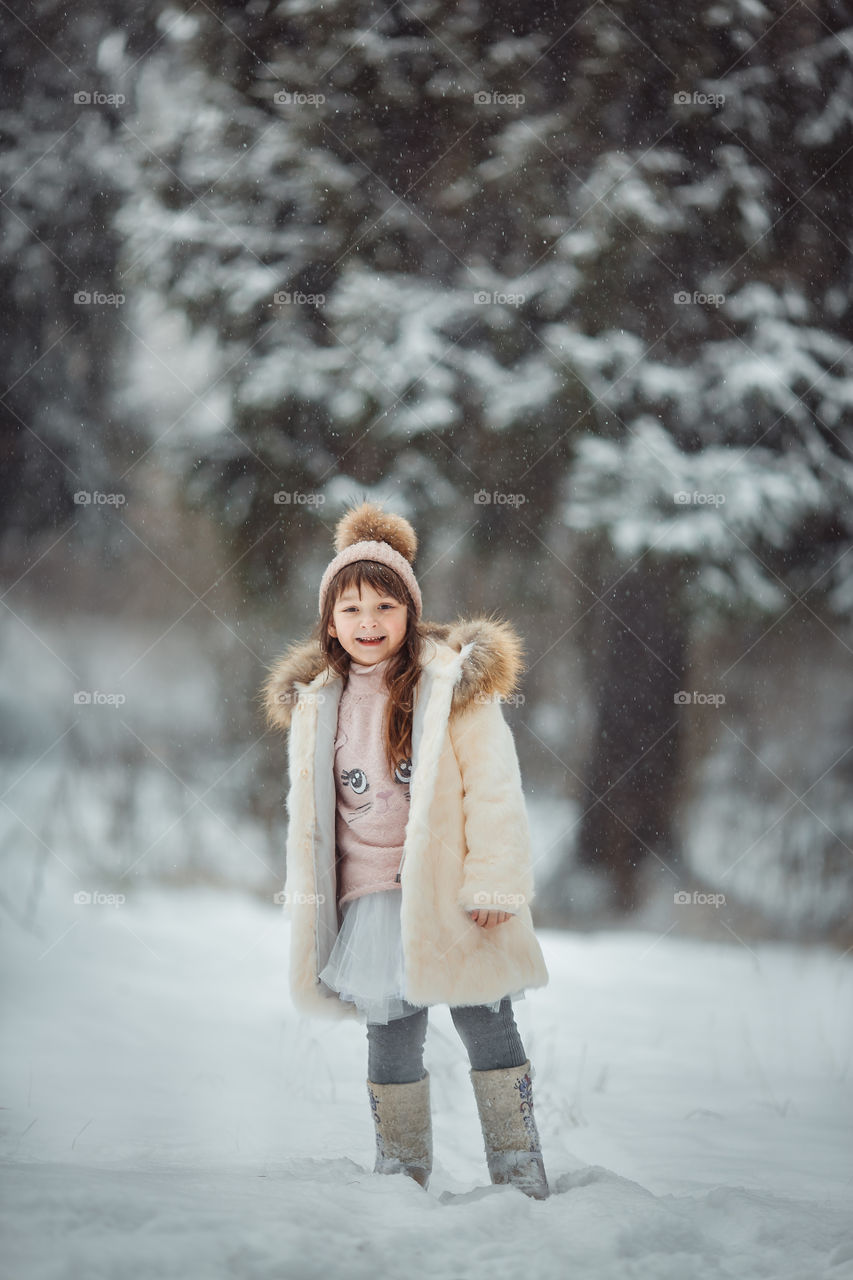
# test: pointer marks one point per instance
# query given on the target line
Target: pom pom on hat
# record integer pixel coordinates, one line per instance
(367, 532)
(369, 523)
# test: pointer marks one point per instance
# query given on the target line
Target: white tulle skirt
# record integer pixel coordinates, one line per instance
(366, 964)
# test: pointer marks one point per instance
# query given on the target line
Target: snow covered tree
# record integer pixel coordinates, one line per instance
(325, 189)
(718, 461)
(590, 254)
(59, 188)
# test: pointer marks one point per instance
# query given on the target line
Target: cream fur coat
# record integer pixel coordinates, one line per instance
(467, 839)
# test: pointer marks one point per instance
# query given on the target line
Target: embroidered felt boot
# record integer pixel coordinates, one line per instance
(513, 1151)
(403, 1120)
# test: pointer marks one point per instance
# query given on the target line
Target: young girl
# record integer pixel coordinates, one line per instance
(409, 871)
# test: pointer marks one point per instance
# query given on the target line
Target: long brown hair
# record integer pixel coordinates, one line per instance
(403, 670)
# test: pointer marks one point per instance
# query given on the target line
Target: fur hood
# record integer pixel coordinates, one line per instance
(492, 666)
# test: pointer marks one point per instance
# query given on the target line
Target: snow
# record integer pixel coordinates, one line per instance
(171, 386)
(713, 505)
(167, 1112)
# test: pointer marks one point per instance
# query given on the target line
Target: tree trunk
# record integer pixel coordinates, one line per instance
(635, 652)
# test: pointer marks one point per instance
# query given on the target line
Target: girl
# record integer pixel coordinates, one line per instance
(409, 871)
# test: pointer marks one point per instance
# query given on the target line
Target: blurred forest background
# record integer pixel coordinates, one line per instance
(567, 284)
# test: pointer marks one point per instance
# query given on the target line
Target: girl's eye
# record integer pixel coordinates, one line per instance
(348, 608)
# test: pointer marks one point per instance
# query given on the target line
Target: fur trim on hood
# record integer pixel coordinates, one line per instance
(491, 668)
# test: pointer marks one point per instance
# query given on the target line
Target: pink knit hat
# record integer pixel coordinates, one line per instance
(369, 533)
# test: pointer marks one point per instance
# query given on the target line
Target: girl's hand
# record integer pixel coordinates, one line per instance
(487, 918)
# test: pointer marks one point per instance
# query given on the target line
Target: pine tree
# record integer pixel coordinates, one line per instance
(589, 254)
(60, 187)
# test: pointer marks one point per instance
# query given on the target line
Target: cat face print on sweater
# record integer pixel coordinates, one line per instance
(375, 798)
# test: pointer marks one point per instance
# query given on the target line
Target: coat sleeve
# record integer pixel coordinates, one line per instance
(497, 870)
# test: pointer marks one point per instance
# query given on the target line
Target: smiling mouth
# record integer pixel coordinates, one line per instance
(369, 639)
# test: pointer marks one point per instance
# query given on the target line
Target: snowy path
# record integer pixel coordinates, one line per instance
(166, 1113)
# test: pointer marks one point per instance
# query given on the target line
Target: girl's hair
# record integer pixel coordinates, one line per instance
(403, 669)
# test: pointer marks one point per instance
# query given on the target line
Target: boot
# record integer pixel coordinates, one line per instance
(513, 1152)
(403, 1128)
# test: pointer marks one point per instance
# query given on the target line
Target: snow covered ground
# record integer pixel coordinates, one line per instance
(167, 1113)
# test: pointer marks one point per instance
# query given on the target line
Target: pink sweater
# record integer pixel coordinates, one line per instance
(372, 804)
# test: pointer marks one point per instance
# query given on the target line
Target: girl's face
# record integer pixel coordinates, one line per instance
(370, 626)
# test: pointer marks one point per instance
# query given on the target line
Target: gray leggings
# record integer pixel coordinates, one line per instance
(396, 1050)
